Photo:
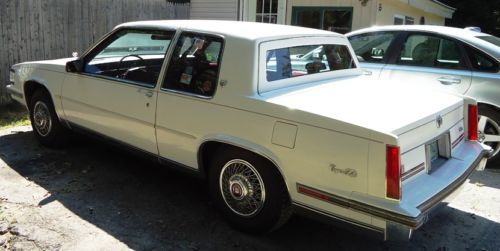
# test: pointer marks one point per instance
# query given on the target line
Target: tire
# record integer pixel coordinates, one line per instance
(46, 125)
(237, 176)
(489, 125)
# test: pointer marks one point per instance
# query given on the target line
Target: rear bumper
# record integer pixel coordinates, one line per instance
(398, 226)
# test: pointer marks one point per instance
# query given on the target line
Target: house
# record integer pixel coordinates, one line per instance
(336, 15)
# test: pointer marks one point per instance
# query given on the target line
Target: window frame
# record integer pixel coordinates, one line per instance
(265, 86)
(170, 54)
(109, 38)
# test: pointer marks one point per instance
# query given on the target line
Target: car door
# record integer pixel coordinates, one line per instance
(430, 60)
(372, 50)
(185, 108)
(114, 94)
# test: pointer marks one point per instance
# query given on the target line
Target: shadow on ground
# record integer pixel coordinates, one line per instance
(150, 207)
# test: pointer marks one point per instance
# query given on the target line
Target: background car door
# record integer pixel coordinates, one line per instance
(372, 50)
(432, 61)
(115, 94)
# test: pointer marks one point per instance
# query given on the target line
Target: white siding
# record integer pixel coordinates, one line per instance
(214, 9)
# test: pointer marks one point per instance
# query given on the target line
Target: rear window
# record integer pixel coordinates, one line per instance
(491, 39)
(304, 60)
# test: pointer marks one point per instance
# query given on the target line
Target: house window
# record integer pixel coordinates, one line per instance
(399, 20)
(337, 19)
(267, 11)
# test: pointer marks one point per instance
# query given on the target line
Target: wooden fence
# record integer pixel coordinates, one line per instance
(47, 29)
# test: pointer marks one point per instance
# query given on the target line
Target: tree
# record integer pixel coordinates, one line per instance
(481, 13)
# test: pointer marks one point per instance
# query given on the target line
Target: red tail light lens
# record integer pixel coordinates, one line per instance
(393, 173)
(472, 122)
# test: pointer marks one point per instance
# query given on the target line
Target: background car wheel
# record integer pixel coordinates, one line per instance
(489, 129)
(249, 191)
(46, 126)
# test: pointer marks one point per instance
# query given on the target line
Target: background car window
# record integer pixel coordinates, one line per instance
(130, 55)
(481, 62)
(194, 66)
(297, 61)
(430, 51)
(371, 47)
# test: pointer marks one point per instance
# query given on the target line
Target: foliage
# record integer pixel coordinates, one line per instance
(481, 13)
(12, 115)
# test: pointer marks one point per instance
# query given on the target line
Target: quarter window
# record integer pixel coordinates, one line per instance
(194, 65)
(298, 61)
(371, 47)
(134, 56)
(430, 51)
(481, 62)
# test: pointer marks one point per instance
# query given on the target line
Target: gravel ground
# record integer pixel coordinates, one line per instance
(91, 196)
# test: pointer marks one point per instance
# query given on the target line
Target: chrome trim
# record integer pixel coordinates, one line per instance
(457, 141)
(409, 221)
(410, 173)
(337, 220)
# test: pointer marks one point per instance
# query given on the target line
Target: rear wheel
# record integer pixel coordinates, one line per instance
(249, 191)
(489, 129)
(46, 126)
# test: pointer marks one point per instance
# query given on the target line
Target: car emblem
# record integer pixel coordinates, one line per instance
(439, 121)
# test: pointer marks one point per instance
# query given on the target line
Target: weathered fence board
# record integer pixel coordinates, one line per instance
(46, 29)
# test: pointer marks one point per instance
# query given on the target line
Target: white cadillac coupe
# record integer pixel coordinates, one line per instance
(270, 133)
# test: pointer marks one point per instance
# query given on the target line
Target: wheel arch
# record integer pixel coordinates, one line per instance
(209, 147)
(30, 87)
(486, 104)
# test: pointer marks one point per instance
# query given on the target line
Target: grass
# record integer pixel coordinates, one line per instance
(13, 115)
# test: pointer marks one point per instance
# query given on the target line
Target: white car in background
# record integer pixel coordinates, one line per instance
(269, 136)
(463, 61)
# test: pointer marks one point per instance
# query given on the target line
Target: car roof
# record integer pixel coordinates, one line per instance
(468, 36)
(244, 30)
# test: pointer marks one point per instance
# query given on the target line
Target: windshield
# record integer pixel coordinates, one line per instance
(491, 39)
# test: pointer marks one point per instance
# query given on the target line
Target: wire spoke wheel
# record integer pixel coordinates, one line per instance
(242, 188)
(42, 121)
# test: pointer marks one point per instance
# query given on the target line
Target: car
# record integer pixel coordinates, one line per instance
(464, 61)
(206, 97)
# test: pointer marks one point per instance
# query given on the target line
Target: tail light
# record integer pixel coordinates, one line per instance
(393, 173)
(472, 122)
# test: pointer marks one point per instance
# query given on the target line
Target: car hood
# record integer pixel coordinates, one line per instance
(388, 107)
(58, 65)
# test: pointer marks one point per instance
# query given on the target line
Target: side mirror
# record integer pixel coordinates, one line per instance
(75, 66)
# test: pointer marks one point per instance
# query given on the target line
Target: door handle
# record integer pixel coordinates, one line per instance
(449, 81)
(149, 94)
(367, 72)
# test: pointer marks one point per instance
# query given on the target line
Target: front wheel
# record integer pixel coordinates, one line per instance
(249, 191)
(46, 126)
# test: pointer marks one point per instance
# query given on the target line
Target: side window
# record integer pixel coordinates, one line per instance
(430, 51)
(371, 47)
(194, 65)
(130, 55)
(481, 62)
(297, 61)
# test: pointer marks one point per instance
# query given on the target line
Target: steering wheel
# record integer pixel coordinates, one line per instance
(130, 55)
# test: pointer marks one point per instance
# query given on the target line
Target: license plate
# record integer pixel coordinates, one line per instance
(433, 151)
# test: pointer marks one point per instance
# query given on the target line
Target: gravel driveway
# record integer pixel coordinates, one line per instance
(91, 196)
